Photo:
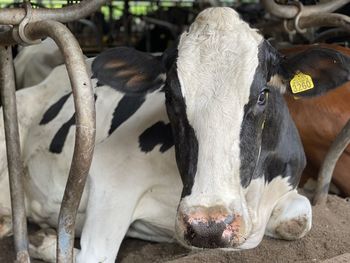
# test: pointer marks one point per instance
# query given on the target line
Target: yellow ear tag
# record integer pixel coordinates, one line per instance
(301, 82)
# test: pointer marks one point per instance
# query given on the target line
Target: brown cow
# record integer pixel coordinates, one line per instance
(319, 120)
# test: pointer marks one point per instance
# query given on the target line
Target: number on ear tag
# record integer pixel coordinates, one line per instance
(301, 82)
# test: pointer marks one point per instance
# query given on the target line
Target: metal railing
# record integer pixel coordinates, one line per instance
(26, 25)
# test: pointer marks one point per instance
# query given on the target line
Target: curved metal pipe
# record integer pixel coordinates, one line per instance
(321, 20)
(85, 128)
(325, 175)
(290, 11)
(331, 33)
(13, 149)
(332, 20)
(13, 16)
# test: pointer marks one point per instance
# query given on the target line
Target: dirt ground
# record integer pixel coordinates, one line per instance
(329, 237)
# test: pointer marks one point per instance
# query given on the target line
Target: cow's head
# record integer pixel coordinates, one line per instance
(232, 131)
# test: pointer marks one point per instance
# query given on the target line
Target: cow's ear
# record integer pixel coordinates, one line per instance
(129, 71)
(313, 71)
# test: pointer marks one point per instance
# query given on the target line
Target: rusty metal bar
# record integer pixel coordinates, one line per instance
(13, 16)
(325, 175)
(321, 20)
(85, 129)
(290, 11)
(15, 165)
(85, 126)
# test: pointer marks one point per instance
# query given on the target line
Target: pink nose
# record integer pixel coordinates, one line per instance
(212, 227)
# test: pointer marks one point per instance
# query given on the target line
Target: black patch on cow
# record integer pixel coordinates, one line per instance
(186, 144)
(54, 109)
(126, 107)
(158, 134)
(269, 127)
(60, 137)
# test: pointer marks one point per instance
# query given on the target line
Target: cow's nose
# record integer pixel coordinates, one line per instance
(212, 228)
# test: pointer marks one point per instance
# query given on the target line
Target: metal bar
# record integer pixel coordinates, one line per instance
(290, 11)
(325, 175)
(13, 149)
(321, 20)
(171, 27)
(332, 20)
(13, 16)
(85, 129)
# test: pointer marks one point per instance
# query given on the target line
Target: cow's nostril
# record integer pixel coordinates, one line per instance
(207, 234)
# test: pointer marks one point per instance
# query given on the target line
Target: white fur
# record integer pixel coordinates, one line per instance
(34, 63)
(217, 61)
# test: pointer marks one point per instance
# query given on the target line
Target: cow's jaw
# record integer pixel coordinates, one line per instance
(216, 64)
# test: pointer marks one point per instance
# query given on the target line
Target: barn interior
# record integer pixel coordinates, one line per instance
(153, 26)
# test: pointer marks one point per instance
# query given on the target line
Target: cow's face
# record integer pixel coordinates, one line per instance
(217, 97)
(237, 149)
(233, 134)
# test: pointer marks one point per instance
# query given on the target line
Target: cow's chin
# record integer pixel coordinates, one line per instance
(223, 231)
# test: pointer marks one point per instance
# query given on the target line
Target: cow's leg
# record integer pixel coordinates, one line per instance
(291, 217)
(109, 215)
(42, 245)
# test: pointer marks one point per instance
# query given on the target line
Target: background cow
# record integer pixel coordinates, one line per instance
(236, 148)
(34, 63)
(319, 120)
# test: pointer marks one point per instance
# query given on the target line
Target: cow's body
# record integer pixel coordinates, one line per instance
(238, 153)
(34, 63)
(141, 173)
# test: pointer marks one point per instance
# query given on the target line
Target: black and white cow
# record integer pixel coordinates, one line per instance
(218, 97)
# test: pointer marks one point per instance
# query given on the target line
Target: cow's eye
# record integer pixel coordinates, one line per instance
(263, 97)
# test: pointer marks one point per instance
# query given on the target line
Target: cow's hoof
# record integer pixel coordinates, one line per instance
(294, 228)
(291, 218)
(5, 226)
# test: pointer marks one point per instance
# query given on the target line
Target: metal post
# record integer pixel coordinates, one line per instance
(126, 23)
(14, 16)
(325, 175)
(85, 129)
(15, 165)
(85, 125)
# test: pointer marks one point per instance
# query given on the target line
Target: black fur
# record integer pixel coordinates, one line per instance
(60, 137)
(54, 110)
(158, 133)
(186, 144)
(281, 150)
(126, 107)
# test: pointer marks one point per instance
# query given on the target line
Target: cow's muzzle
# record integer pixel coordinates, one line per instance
(210, 227)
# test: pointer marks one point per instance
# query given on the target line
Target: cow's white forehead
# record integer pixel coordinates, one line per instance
(217, 60)
(219, 51)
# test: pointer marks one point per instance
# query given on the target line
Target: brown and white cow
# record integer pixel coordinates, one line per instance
(231, 177)
(319, 120)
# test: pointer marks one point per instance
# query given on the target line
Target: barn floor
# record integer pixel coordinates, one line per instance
(329, 237)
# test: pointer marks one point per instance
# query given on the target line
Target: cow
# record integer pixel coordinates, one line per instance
(34, 63)
(319, 120)
(196, 145)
